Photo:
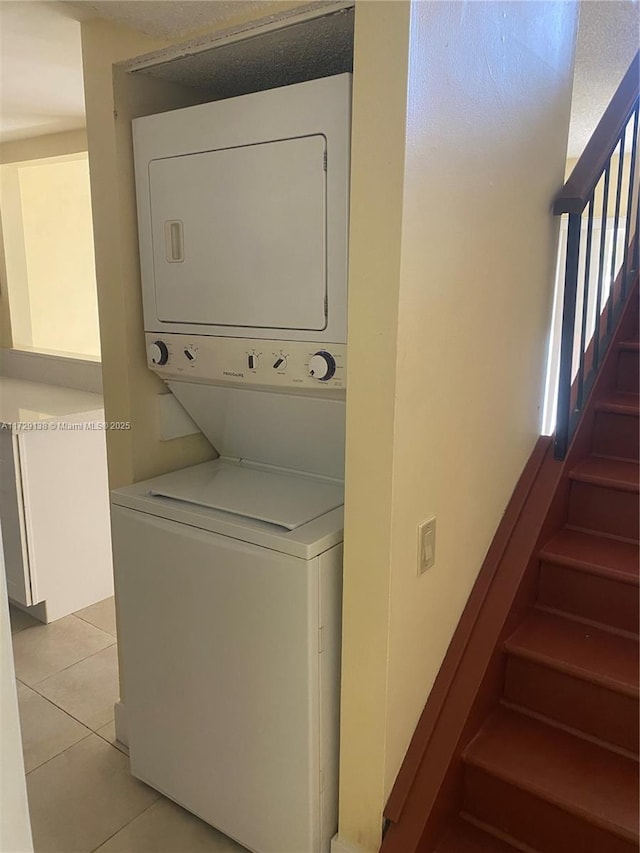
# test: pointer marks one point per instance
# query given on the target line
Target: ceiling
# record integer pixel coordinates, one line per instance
(41, 89)
(167, 19)
(608, 38)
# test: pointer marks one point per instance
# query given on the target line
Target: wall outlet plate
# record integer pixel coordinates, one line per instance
(426, 544)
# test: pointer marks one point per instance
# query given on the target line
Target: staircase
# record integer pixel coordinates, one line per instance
(554, 768)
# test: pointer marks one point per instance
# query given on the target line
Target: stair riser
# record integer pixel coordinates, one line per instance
(628, 371)
(601, 599)
(468, 839)
(589, 708)
(530, 820)
(616, 435)
(604, 510)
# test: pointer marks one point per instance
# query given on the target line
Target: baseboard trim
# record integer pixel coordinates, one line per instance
(122, 730)
(38, 611)
(340, 846)
(84, 374)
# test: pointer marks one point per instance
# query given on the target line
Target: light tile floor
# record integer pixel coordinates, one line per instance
(82, 797)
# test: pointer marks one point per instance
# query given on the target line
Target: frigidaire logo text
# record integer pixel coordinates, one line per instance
(231, 373)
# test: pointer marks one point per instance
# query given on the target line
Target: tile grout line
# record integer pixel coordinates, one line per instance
(124, 825)
(53, 757)
(71, 746)
(90, 732)
(104, 630)
(128, 823)
(75, 719)
(34, 688)
(87, 729)
(65, 668)
(64, 711)
(126, 754)
(114, 642)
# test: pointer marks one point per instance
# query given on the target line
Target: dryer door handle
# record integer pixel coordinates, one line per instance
(174, 241)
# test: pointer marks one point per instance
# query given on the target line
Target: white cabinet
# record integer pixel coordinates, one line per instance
(14, 536)
(54, 511)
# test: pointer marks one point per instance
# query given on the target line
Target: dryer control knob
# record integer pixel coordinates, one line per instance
(158, 353)
(322, 366)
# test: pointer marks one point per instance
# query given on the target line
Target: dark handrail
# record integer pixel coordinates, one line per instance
(575, 195)
(595, 286)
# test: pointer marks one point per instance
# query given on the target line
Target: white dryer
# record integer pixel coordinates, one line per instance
(228, 574)
(243, 211)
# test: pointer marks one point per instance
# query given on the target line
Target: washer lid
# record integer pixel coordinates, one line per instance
(283, 499)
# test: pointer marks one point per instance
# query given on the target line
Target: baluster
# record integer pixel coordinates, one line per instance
(563, 423)
(603, 235)
(616, 223)
(585, 305)
(632, 175)
(636, 247)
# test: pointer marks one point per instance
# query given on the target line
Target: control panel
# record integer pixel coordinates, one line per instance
(243, 361)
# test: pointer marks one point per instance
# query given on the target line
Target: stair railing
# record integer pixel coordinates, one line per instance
(605, 266)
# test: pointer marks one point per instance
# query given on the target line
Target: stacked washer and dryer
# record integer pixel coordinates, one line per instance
(229, 573)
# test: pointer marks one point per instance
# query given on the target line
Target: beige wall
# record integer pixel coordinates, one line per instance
(130, 389)
(5, 318)
(12, 257)
(377, 169)
(49, 145)
(459, 393)
(49, 255)
(448, 320)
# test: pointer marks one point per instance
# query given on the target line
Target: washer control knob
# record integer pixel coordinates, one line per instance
(158, 353)
(322, 366)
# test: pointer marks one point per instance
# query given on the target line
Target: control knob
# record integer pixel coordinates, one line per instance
(158, 353)
(322, 366)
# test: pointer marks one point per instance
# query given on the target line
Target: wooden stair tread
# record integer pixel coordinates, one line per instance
(620, 403)
(603, 471)
(629, 346)
(587, 780)
(596, 554)
(462, 837)
(578, 649)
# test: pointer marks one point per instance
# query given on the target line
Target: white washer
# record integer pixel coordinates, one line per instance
(229, 629)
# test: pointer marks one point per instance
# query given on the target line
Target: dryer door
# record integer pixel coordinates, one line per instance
(239, 236)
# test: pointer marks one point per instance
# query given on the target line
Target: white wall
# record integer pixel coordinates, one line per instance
(15, 828)
(486, 127)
